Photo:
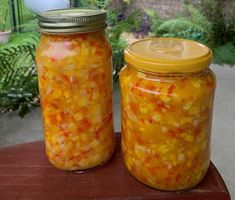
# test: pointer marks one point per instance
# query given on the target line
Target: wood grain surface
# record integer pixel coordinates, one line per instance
(25, 174)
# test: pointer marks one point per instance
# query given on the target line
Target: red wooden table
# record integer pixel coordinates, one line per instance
(25, 174)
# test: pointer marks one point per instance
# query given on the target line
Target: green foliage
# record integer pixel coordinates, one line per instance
(225, 54)
(231, 33)
(28, 18)
(127, 1)
(193, 25)
(18, 78)
(202, 22)
(28, 21)
(130, 23)
(101, 4)
(5, 23)
(213, 12)
(117, 24)
(155, 21)
(30, 25)
(115, 29)
(28, 15)
(118, 47)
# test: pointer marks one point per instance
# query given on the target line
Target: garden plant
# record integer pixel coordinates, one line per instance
(202, 22)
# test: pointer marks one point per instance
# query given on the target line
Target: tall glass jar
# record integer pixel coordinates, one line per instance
(167, 93)
(75, 82)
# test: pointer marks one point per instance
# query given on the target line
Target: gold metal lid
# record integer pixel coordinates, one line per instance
(72, 20)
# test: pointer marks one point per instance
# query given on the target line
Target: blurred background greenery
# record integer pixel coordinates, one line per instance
(203, 22)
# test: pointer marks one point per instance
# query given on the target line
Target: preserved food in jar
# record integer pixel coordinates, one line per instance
(75, 82)
(167, 112)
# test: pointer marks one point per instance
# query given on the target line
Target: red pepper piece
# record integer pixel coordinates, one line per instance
(99, 53)
(171, 89)
(84, 36)
(133, 107)
(84, 125)
(177, 178)
(160, 105)
(66, 134)
(53, 59)
(210, 84)
(65, 78)
(172, 134)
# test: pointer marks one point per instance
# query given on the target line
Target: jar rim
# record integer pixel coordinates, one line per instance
(72, 20)
(168, 55)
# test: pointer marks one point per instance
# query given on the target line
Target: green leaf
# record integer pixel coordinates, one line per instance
(179, 25)
(225, 54)
(24, 109)
(197, 17)
(18, 77)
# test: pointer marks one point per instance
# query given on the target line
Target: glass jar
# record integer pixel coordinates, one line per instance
(75, 82)
(167, 93)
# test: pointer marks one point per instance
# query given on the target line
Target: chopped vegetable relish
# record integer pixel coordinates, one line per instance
(166, 126)
(75, 82)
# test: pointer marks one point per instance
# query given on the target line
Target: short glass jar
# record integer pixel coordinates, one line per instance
(167, 93)
(75, 82)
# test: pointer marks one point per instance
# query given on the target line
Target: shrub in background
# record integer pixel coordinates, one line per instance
(118, 23)
(116, 26)
(204, 23)
(18, 77)
(5, 24)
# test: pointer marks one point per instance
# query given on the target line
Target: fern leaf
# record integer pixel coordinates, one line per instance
(19, 61)
(179, 25)
(18, 78)
(197, 17)
(225, 54)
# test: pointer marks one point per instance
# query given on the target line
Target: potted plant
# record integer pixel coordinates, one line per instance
(40, 6)
(4, 26)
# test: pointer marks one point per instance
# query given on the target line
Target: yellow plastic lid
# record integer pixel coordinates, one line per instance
(168, 55)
